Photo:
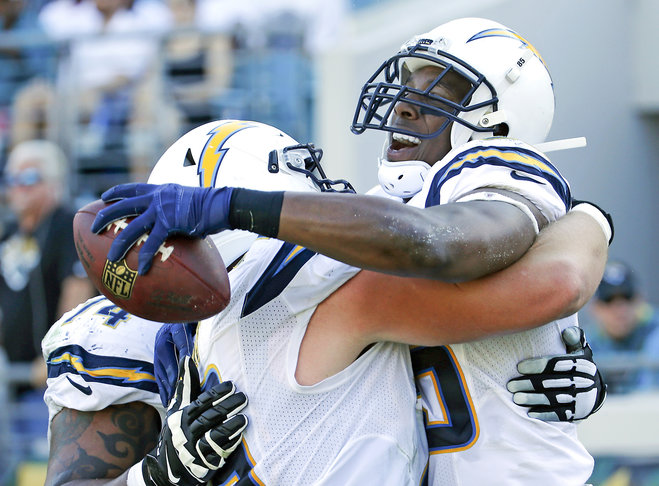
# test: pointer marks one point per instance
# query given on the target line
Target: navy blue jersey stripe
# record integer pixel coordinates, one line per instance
(281, 270)
(517, 159)
(102, 369)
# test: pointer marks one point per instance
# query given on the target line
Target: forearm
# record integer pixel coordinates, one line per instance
(452, 242)
(367, 232)
(571, 252)
(555, 278)
(121, 443)
(449, 242)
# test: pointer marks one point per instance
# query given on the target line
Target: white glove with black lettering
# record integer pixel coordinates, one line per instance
(198, 434)
(563, 388)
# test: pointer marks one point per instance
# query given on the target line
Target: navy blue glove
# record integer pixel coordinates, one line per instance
(162, 211)
(173, 342)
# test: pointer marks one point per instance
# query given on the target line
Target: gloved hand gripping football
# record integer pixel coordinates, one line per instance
(161, 210)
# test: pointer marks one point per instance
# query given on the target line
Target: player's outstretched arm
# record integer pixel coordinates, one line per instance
(554, 279)
(452, 242)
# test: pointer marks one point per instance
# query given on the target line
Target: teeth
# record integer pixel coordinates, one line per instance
(405, 139)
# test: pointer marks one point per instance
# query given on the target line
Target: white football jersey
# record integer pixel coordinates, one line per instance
(360, 426)
(476, 434)
(99, 355)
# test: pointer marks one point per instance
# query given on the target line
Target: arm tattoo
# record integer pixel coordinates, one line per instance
(100, 445)
(131, 438)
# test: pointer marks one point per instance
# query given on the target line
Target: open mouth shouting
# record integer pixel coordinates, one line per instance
(402, 147)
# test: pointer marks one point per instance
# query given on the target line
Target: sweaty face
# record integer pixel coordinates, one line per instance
(410, 117)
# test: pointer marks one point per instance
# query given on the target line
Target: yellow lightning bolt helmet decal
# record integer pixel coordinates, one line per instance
(213, 152)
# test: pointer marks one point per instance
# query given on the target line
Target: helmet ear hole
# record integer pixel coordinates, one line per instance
(501, 130)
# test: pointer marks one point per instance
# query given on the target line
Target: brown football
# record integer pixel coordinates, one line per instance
(187, 281)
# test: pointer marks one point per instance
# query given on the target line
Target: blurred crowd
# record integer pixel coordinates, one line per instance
(113, 82)
(91, 93)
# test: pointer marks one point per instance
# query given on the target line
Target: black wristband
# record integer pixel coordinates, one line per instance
(256, 211)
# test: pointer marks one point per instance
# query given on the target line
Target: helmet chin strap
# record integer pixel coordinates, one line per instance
(402, 179)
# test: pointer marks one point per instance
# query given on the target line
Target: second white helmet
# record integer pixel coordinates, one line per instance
(237, 153)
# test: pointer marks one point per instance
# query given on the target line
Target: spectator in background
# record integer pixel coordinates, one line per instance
(113, 47)
(25, 58)
(112, 42)
(196, 69)
(624, 326)
(197, 65)
(317, 22)
(40, 275)
(16, 17)
(273, 47)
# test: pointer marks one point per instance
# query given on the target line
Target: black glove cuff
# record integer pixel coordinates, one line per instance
(151, 473)
(256, 211)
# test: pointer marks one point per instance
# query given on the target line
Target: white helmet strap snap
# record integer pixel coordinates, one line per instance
(493, 119)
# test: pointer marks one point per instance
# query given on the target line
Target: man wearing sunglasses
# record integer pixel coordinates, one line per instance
(625, 326)
(40, 276)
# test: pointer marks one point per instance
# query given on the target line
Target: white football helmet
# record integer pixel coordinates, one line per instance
(245, 154)
(511, 89)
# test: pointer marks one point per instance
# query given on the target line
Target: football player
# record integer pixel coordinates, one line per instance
(105, 410)
(465, 106)
(103, 393)
(305, 348)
